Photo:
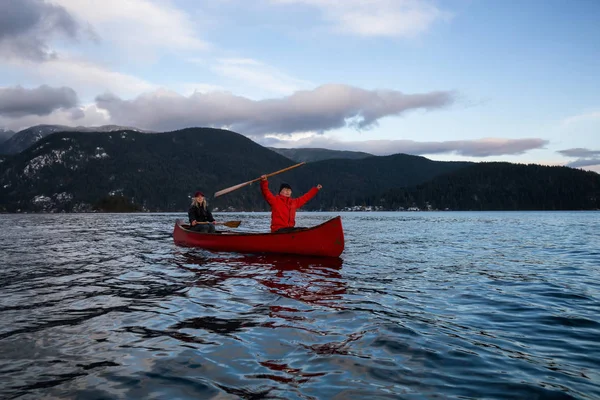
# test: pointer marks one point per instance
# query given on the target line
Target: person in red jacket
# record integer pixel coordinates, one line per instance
(283, 206)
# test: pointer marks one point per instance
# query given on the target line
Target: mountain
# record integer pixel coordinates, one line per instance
(502, 186)
(352, 182)
(316, 154)
(23, 139)
(72, 171)
(129, 170)
(5, 135)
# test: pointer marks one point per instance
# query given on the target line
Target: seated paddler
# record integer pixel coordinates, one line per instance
(201, 219)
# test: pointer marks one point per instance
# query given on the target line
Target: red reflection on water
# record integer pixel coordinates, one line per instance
(312, 280)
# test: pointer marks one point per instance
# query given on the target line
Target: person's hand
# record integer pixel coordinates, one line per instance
(194, 223)
(214, 222)
(263, 177)
(319, 186)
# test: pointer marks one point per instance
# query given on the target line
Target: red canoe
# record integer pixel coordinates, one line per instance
(325, 240)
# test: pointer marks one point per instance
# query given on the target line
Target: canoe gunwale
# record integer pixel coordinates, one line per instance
(181, 225)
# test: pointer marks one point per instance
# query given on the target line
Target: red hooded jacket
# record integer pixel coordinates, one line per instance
(283, 209)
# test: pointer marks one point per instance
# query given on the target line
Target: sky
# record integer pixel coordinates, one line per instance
(465, 80)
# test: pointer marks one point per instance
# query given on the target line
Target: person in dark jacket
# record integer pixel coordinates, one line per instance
(201, 219)
(283, 206)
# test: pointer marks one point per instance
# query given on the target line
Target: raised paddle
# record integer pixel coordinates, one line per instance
(241, 185)
(229, 224)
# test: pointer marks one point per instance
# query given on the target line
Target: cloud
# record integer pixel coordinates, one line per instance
(325, 108)
(84, 116)
(86, 77)
(392, 18)
(141, 26)
(91, 78)
(257, 74)
(26, 27)
(470, 148)
(586, 117)
(18, 102)
(579, 152)
(585, 157)
(584, 162)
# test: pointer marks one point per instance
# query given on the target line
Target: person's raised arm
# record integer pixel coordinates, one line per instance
(264, 188)
(302, 200)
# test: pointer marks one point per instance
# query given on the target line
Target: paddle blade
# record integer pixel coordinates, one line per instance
(231, 189)
(232, 224)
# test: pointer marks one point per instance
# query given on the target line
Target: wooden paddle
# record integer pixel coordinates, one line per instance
(229, 224)
(241, 185)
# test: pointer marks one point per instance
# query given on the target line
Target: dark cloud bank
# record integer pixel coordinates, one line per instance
(18, 102)
(586, 157)
(26, 26)
(324, 108)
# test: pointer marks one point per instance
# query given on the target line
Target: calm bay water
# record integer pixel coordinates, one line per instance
(420, 305)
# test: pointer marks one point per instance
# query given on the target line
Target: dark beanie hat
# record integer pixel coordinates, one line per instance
(284, 186)
(198, 194)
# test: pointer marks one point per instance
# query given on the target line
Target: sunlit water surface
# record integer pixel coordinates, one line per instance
(420, 305)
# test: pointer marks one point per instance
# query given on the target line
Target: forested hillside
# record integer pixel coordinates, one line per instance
(130, 170)
(502, 186)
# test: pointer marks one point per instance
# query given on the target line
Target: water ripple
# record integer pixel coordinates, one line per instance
(440, 305)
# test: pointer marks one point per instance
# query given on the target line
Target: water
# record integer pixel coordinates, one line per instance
(420, 305)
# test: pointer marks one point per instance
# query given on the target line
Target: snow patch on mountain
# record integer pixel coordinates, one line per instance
(39, 162)
(100, 153)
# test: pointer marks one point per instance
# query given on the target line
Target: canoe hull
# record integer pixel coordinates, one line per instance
(325, 240)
